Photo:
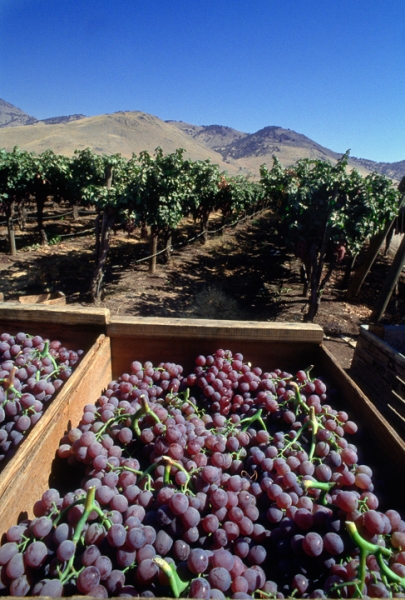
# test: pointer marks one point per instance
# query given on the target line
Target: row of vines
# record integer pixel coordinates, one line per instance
(324, 212)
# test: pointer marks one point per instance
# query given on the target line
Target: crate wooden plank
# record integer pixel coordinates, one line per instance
(379, 369)
(206, 328)
(74, 327)
(68, 315)
(180, 340)
(29, 472)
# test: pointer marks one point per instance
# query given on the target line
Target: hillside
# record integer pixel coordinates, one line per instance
(11, 116)
(134, 131)
(122, 132)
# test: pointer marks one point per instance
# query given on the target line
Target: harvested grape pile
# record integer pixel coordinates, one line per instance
(224, 482)
(32, 369)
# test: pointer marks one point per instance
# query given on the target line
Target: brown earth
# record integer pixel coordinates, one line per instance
(244, 274)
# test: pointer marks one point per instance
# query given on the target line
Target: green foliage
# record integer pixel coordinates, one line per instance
(324, 210)
(318, 202)
(159, 193)
(17, 172)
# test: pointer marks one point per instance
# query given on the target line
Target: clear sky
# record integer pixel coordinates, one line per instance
(333, 70)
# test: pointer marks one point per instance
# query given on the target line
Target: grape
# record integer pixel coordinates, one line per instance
(219, 578)
(197, 561)
(66, 550)
(206, 492)
(199, 588)
(178, 503)
(333, 543)
(163, 542)
(374, 522)
(35, 554)
(146, 571)
(20, 586)
(115, 582)
(88, 579)
(48, 587)
(312, 544)
(41, 526)
(15, 567)
(7, 551)
(90, 555)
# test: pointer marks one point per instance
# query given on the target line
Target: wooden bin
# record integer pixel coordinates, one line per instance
(288, 346)
(378, 367)
(26, 475)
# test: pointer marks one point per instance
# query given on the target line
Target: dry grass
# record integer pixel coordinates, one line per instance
(213, 303)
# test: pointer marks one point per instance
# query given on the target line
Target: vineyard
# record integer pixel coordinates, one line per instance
(163, 231)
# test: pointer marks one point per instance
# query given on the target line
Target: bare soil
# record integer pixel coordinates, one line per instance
(243, 274)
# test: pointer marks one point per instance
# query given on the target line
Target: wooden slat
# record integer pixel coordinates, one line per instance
(67, 315)
(30, 472)
(204, 328)
(379, 370)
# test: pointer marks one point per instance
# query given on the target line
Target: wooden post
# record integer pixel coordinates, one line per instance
(153, 244)
(10, 228)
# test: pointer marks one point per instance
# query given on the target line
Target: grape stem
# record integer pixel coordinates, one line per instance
(250, 420)
(169, 569)
(324, 486)
(45, 354)
(298, 401)
(144, 410)
(315, 425)
(89, 506)
(367, 548)
(8, 384)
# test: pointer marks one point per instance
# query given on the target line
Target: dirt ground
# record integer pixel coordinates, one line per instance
(244, 274)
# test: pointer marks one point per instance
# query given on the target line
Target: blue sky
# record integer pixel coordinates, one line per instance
(332, 70)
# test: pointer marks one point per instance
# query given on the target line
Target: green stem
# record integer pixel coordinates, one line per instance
(89, 506)
(367, 548)
(45, 354)
(250, 420)
(115, 419)
(144, 410)
(166, 477)
(388, 573)
(298, 401)
(169, 569)
(315, 425)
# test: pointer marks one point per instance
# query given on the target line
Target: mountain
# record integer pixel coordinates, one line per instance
(216, 137)
(122, 132)
(11, 116)
(395, 170)
(128, 132)
(57, 120)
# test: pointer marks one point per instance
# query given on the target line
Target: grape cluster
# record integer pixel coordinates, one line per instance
(188, 494)
(32, 369)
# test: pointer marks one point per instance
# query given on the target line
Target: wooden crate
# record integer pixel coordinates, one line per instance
(288, 346)
(26, 476)
(378, 367)
(268, 345)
